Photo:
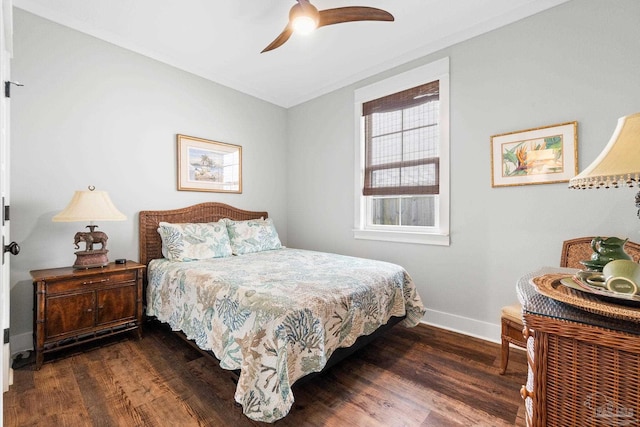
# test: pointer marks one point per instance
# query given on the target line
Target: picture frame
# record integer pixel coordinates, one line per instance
(544, 155)
(205, 165)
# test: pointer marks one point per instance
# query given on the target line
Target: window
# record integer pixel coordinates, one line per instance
(402, 146)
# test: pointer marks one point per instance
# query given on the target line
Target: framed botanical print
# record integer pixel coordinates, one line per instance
(542, 155)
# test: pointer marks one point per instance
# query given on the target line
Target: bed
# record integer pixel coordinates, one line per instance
(274, 314)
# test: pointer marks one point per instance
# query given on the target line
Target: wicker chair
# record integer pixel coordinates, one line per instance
(573, 251)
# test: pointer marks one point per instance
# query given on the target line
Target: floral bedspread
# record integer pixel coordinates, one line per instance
(278, 315)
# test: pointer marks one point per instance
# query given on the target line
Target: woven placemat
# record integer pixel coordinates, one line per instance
(549, 285)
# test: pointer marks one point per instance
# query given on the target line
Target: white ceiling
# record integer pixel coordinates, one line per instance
(221, 40)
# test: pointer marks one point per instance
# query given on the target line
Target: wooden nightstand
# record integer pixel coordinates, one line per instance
(74, 306)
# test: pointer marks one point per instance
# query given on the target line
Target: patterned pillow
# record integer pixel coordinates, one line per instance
(190, 242)
(254, 235)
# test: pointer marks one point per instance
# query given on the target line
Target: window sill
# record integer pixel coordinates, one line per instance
(403, 237)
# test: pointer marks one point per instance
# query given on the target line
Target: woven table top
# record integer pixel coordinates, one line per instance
(533, 302)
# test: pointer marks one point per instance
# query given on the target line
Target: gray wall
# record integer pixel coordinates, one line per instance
(91, 113)
(576, 62)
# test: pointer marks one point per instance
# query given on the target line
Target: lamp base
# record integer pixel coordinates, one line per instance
(91, 259)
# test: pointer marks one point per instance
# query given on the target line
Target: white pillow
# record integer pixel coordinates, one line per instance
(194, 241)
(254, 235)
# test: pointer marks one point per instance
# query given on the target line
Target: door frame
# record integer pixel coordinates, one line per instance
(6, 48)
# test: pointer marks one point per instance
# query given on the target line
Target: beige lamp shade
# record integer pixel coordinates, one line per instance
(90, 205)
(619, 162)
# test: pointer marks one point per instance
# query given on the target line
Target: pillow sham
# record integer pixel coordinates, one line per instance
(254, 235)
(194, 241)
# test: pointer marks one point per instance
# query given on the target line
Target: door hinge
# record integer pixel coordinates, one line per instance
(7, 87)
(6, 336)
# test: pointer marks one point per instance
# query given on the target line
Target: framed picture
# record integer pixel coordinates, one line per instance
(205, 165)
(542, 155)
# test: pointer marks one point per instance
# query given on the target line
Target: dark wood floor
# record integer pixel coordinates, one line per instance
(422, 376)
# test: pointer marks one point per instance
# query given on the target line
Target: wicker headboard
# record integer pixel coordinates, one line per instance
(150, 243)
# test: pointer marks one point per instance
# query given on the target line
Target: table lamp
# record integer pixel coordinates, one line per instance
(90, 206)
(619, 162)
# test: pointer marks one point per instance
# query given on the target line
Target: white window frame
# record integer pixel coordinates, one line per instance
(439, 235)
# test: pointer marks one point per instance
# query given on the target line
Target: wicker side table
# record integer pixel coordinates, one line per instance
(584, 368)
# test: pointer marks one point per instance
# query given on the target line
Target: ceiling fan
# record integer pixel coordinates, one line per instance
(304, 18)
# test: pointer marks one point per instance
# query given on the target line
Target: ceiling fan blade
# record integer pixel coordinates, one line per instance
(280, 40)
(353, 13)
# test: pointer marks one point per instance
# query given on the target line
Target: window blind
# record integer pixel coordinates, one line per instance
(401, 142)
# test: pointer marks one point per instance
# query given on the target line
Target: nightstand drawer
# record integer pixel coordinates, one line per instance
(57, 286)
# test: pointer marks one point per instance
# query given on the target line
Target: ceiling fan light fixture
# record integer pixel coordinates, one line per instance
(304, 25)
(304, 18)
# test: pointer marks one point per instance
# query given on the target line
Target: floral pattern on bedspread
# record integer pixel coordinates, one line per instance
(278, 315)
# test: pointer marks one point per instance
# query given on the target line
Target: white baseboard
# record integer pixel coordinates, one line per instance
(20, 343)
(464, 325)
